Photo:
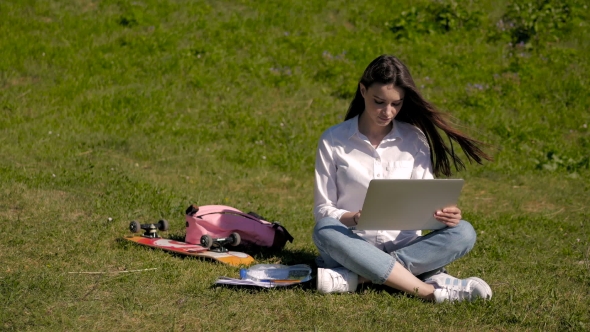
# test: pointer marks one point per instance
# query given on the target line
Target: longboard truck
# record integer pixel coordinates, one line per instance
(151, 230)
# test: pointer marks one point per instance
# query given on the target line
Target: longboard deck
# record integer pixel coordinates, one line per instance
(234, 258)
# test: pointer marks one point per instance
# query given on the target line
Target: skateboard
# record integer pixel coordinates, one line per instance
(210, 248)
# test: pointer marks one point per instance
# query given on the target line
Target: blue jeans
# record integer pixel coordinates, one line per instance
(423, 257)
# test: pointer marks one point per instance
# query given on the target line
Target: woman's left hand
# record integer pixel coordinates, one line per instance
(449, 216)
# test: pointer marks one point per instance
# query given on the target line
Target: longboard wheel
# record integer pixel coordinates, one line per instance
(134, 226)
(163, 225)
(206, 241)
(235, 239)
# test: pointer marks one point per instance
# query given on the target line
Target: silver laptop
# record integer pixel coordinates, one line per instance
(394, 204)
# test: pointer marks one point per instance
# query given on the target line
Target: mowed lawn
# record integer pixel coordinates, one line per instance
(112, 111)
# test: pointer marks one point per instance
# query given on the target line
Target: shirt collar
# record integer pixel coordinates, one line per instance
(391, 136)
(353, 129)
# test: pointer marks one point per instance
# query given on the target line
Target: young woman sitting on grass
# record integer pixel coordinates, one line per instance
(390, 131)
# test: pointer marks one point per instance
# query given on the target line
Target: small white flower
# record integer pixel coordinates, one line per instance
(264, 157)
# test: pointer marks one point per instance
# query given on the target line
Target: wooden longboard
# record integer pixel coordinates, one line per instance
(233, 258)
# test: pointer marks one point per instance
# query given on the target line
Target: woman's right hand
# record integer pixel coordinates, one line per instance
(350, 219)
(356, 217)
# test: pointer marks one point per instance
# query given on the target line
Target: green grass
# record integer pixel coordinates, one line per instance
(136, 109)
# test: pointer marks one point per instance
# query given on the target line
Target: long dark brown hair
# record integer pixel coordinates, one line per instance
(417, 111)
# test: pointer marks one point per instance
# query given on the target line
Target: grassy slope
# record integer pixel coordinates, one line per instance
(133, 110)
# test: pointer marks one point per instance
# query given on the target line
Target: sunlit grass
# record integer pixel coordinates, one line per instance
(136, 109)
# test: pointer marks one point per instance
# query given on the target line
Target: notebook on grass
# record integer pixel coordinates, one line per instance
(395, 204)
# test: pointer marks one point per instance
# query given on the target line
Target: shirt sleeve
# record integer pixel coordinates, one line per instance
(326, 191)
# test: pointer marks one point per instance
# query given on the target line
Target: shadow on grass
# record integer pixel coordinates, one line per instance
(286, 256)
(370, 287)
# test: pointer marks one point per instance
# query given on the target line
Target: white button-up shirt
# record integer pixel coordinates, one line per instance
(346, 162)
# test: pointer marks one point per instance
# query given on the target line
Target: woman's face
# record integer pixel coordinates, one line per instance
(382, 103)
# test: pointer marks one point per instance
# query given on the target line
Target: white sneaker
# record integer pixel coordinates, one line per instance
(337, 280)
(449, 288)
